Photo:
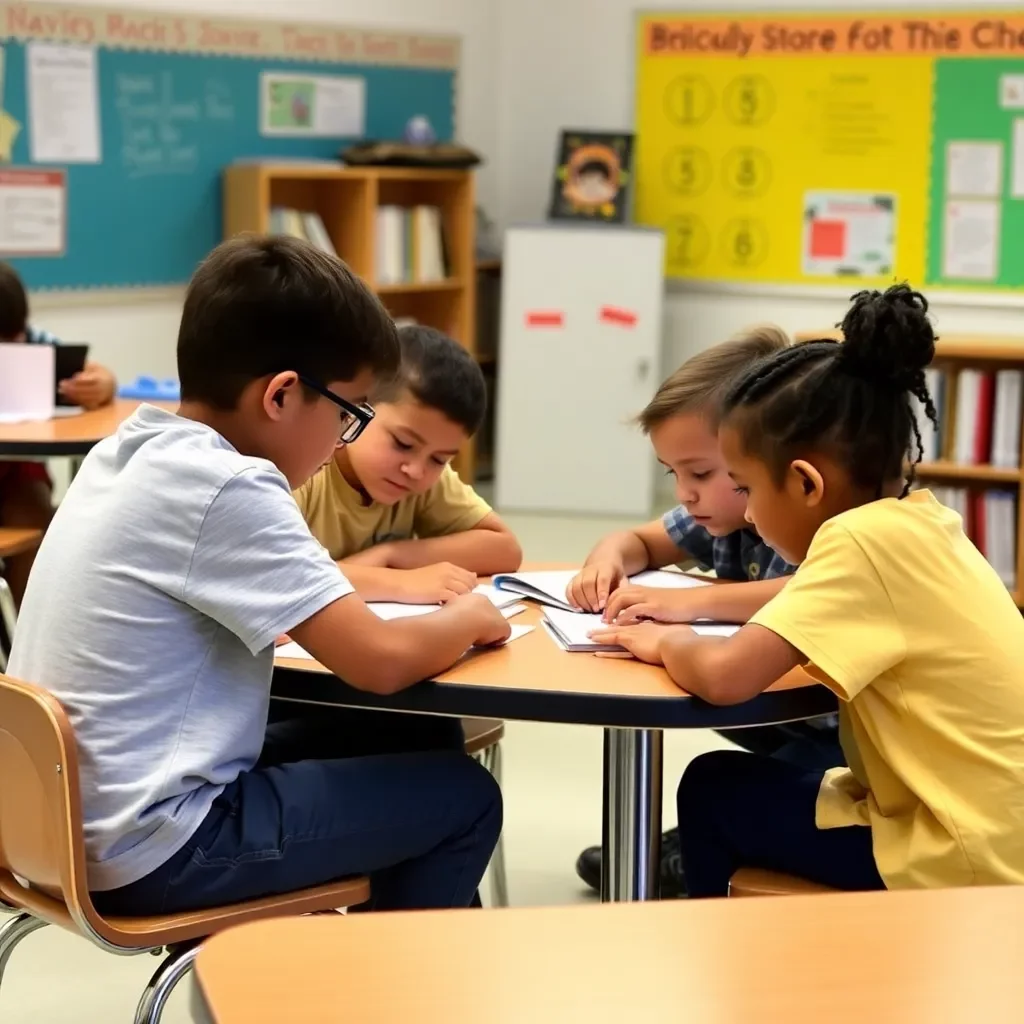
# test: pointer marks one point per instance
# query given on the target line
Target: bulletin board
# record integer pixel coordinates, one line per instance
(178, 99)
(833, 148)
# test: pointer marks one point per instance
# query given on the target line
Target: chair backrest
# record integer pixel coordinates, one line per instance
(41, 837)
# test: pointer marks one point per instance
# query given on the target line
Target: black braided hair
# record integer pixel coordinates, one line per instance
(850, 399)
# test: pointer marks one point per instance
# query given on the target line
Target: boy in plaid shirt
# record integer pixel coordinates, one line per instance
(708, 527)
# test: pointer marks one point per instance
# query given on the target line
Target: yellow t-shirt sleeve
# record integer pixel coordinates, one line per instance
(450, 506)
(837, 613)
(304, 498)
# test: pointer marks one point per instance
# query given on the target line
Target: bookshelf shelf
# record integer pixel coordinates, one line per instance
(990, 498)
(347, 200)
(956, 471)
(411, 287)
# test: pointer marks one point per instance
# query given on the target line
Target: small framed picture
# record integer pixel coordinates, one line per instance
(592, 177)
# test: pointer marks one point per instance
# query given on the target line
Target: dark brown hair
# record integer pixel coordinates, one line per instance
(701, 383)
(438, 372)
(13, 304)
(850, 399)
(261, 305)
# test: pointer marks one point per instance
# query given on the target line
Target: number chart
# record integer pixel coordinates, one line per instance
(834, 148)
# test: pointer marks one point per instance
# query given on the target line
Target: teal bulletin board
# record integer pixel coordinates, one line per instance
(179, 99)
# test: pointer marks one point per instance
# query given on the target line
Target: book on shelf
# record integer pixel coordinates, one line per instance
(990, 522)
(1007, 419)
(988, 409)
(307, 225)
(410, 245)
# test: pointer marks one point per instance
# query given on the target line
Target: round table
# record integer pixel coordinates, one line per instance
(532, 680)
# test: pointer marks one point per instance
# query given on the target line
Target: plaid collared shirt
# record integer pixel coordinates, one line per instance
(37, 336)
(739, 556)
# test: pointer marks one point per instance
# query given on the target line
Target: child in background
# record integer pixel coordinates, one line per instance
(709, 527)
(176, 559)
(391, 510)
(26, 500)
(894, 609)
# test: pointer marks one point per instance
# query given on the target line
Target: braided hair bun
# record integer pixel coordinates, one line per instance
(888, 337)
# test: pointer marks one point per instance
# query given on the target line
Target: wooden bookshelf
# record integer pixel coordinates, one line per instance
(954, 354)
(347, 198)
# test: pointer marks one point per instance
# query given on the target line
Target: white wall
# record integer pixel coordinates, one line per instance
(569, 64)
(137, 335)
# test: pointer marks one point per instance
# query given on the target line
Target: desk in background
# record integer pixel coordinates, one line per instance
(73, 435)
(942, 957)
(532, 680)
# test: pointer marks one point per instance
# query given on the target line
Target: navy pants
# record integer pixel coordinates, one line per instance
(332, 797)
(739, 810)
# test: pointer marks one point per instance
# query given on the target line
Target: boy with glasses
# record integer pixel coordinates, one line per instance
(176, 559)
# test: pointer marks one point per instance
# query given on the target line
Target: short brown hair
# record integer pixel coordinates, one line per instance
(258, 305)
(702, 382)
(13, 303)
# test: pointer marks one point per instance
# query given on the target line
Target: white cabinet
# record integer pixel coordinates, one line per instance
(580, 348)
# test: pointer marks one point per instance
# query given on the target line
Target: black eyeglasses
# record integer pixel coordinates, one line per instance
(355, 418)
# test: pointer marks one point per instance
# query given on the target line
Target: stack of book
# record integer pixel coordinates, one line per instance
(307, 226)
(410, 245)
(990, 520)
(979, 417)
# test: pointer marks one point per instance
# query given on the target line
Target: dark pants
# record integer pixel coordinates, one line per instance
(331, 797)
(812, 746)
(740, 810)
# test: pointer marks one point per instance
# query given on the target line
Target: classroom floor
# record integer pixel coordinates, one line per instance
(552, 785)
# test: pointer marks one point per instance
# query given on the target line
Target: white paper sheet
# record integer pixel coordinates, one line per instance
(550, 586)
(971, 240)
(500, 599)
(1011, 92)
(63, 104)
(313, 106)
(293, 650)
(974, 169)
(26, 382)
(33, 212)
(1017, 161)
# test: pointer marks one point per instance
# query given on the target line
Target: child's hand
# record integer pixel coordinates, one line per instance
(91, 388)
(593, 584)
(436, 584)
(492, 627)
(632, 604)
(642, 641)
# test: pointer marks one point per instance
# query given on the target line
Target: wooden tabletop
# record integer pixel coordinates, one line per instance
(66, 435)
(533, 680)
(941, 957)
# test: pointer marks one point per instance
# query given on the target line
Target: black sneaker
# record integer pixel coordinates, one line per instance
(588, 866)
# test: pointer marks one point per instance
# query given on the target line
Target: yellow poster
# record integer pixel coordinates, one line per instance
(798, 149)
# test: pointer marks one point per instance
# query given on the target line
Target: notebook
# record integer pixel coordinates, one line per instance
(571, 630)
(549, 588)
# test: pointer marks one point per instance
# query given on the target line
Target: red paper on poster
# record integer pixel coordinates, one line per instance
(617, 316)
(545, 318)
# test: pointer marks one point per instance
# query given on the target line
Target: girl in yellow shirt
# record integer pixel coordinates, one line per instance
(892, 608)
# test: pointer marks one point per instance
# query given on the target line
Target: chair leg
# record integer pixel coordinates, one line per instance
(12, 932)
(499, 877)
(174, 967)
(8, 618)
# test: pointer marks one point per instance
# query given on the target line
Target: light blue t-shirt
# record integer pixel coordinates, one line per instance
(170, 568)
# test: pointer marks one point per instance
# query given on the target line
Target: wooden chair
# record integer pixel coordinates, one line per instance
(483, 743)
(42, 856)
(757, 882)
(12, 542)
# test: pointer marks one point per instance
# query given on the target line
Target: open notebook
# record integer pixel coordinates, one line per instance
(571, 630)
(392, 610)
(549, 587)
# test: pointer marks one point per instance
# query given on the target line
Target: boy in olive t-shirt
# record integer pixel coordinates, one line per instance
(390, 509)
